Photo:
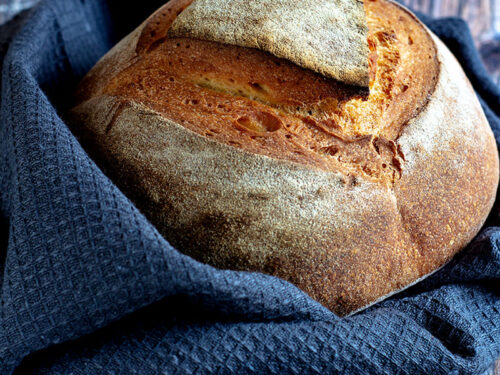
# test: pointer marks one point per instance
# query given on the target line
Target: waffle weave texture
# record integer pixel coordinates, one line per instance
(88, 286)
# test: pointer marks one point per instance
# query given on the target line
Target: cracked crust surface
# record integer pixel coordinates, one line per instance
(356, 198)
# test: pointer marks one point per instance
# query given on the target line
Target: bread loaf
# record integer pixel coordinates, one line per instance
(248, 160)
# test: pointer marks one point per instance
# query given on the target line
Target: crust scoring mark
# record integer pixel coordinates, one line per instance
(360, 150)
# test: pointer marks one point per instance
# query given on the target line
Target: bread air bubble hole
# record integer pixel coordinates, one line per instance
(260, 122)
(385, 37)
(257, 86)
(245, 121)
(329, 150)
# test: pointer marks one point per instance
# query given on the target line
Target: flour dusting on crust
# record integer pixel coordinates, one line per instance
(327, 36)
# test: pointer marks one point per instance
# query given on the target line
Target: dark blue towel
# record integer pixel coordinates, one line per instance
(88, 286)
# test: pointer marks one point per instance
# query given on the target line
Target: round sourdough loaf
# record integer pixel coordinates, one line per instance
(248, 160)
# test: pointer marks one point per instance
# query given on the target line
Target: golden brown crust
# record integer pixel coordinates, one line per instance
(343, 235)
(453, 163)
(249, 99)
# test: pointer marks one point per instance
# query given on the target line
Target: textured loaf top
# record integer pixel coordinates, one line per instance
(326, 36)
(249, 99)
(247, 161)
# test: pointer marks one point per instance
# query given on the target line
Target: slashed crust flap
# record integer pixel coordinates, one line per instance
(326, 36)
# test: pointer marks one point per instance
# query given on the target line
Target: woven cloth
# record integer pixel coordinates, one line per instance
(88, 286)
(9, 8)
